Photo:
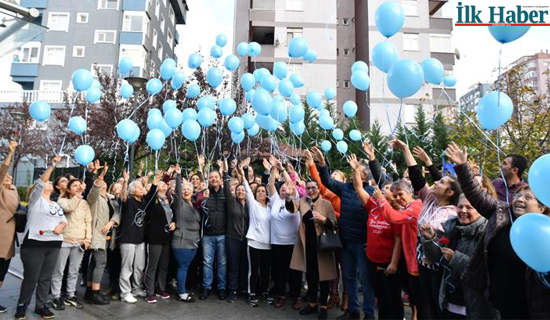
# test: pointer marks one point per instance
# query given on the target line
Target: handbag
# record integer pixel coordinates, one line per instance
(329, 241)
(20, 217)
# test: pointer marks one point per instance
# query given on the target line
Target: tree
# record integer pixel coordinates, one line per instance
(440, 139)
(378, 140)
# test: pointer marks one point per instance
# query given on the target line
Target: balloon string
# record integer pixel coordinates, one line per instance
(66, 132)
(156, 161)
(139, 106)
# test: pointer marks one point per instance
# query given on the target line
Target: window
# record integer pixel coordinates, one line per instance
(157, 8)
(50, 90)
(155, 38)
(58, 21)
(98, 69)
(133, 22)
(346, 84)
(152, 69)
(54, 56)
(162, 23)
(294, 5)
(346, 52)
(82, 17)
(441, 43)
(170, 39)
(135, 52)
(172, 14)
(160, 49)
(345, 21)
(108, 4)
(410, 42)
(295, 68)
(105, 36)
(291, 33)
(78, 51)
(411, 7)
(410, 110)
(50, 85)
(29, 53)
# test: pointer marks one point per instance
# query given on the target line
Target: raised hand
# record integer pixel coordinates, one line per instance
(246, 162)
(309, 158)
(427, 231)
(12, 146)
(104, 172)
(318, 156)
(220, 165)
(456, 155)
(126, 175)
(369, 149)
(398, 144)
(422, 155)
(201, 160)
(377, 194)
(475, 167)
(171, 169)
(178, 169)
(267, 164)
(289, 167)
(353, 162)
(234, 163)
(56, 160)
(393, 166)
(290, 190)
(158, 177)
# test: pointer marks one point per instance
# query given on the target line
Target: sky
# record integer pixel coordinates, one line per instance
(479, 51)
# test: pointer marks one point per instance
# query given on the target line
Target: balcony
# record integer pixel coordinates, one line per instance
(447, 59)
(129, 37)
(24, 72)
(257, 15)
(134, 5)
(442, 24)
(37, 4)
(263, 35)
(263, 5)
(31, 95)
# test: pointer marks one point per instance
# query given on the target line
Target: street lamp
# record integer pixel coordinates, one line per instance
(137, 83)
(18, 119)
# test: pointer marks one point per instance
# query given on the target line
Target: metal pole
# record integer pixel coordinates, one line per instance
(29, 13)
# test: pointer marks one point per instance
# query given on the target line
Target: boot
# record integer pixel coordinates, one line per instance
(334, 300)
(344, 306)
(98, 298)
(88, 295)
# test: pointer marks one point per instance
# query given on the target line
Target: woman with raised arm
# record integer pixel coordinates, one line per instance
(383, 249)
(438, 205)
(114, 194)
(41, 245)
(495, 270)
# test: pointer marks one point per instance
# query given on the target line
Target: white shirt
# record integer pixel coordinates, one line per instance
(260, 220)
(284, 224)
(43, 215)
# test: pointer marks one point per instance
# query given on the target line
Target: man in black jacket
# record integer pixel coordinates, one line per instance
(213, 240)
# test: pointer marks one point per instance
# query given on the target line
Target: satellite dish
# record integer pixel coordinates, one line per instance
(457, 54)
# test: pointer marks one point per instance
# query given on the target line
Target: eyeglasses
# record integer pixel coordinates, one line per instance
(311, 188)
(527, 197)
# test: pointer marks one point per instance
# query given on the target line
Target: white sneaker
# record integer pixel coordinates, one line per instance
(129, 299)
(140, 294)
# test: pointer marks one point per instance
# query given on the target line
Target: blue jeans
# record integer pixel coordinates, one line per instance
(213, 246)
(184, 258)
(353, 257)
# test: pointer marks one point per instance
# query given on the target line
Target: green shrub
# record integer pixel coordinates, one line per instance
(22, 193)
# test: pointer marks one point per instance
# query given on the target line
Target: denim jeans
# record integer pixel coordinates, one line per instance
(213, 246)
(354, 258)
(184, 258)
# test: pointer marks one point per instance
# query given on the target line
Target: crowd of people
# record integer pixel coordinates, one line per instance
(315, 238)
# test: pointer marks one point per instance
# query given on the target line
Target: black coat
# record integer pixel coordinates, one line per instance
(214, 212)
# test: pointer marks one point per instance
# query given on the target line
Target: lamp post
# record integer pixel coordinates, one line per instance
(137, 83)
(18, 119)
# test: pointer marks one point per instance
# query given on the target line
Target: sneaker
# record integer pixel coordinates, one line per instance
(44, 313)
(279, 302)
(151, 299)
(128, 299)
(221, 294)
(204, 295)
(348, 315)
(163, 295)
(58, 304)
(308, 309)
(186, 297)
(3, 309)
(73, 301)
(115, 296)
(322, 314)
(267, 298)
(297, 304)
(99, 299)
(21, 313)
(139, 293)
(253, 300)
(232, 296)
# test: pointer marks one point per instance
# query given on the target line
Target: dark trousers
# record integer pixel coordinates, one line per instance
(237, 264)
(38, 264)
(387, 289)
(4, 266)
(158, 258)
(85, 264)
(259, 262)
(417, 297)
(114, 262)
(281, 272)
(446, 314)
(430, 282)
(96, 266)
(312, 277)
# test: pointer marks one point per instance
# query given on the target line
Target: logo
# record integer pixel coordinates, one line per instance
(519, 15)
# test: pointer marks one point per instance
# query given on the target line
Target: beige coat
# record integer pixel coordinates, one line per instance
(9, 201)
(100, 216)
(327, 265)
(79, 220)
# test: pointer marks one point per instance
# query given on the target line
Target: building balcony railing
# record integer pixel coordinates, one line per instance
(263, 5)
(13, 96)
(23, 69)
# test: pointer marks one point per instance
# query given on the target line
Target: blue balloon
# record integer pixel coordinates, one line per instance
(216, 51)
(529, 235)
(338, 134)
(247, 82)
(359, 65)
(93, 94)
(126, 91)
(389, 18)
(206, 117)
(156, 139)
(167, 69)
(297, 47)
(330, 93)
(310, 56)
(384, 55)
(433, 71)
(96, 84)
(154, 111)
(506, 34)
(261, 102)
(360, 80)
(214, 77)
(253, 130)
(194, 61)
(242, 49)
(494, 110)
(324, 113)
(221, 40)
(280, 70)
(168, 105)
(231, 62)
(125, 65)
(264, 121)
(82, 80)
(297, 80)
(154, 121)
(260, 73)
(350, 108)
(342, 146)
(191, 130)
(254, 49)
(227, 106)
(40, 110)
(314, 99)
(539, 175)
(165, 128)
(268, 83)
(178, 79)
(84, 154)
(295, 99)
(173, 118)
(355, 135)
(296, 113)
(279, 111)
(136, 135)
(193, 91)
(250, 95)
(405, 78)
(206, 101)
(285, 88)
(298, 128)
(326, 123)
(326, 146)
(189, 114)
(77, 125)
(248, 120)
(449, 80)
(126, 129)
(154, 86)
(235, 124)
(237, 137)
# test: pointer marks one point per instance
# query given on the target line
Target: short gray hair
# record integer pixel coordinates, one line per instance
(402, 185)
(132, 187)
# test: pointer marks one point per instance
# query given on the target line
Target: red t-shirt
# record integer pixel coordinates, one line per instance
(380, 234)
